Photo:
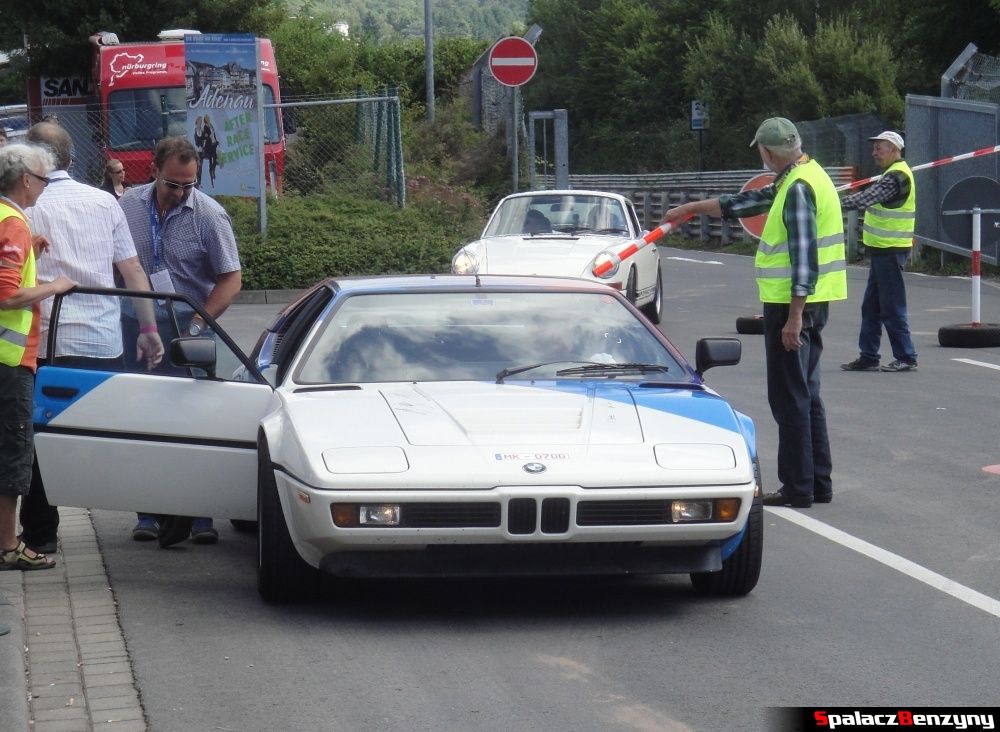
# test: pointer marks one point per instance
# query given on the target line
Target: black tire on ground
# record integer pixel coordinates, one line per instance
(750, 326)
(282, 575)
(631, 287)
(966, 335)
(741, 570)
(654, 308)
(244, 526)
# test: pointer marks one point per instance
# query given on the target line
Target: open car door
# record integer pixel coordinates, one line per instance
(178, 440)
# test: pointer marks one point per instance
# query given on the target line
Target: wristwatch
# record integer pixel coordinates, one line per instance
(194, 329)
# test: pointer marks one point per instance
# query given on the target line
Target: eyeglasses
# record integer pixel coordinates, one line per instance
(175, 186)
(42, 178)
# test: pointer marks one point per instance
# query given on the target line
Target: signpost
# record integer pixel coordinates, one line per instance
(513, 62)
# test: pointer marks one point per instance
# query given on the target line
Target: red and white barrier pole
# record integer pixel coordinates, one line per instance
(923, 166)
(604, 267)
(976, 249)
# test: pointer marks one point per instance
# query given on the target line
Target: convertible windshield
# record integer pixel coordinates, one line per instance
(558, 214)
(445, 336)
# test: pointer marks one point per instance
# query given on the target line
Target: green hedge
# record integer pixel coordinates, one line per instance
(341, 233)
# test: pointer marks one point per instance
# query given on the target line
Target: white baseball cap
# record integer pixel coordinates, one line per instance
(889, 136)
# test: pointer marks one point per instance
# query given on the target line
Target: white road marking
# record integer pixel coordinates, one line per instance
(893, 561)
(699, 261)
(977, 363)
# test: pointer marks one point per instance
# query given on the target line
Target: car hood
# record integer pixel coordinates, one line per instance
(467, 431)
(541, 255)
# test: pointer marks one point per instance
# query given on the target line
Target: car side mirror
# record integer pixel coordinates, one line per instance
(710, 352)
(194, 353)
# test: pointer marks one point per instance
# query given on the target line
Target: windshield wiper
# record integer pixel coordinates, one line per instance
(613, 368)
(504, 373)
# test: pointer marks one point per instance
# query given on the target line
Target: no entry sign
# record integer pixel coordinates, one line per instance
(513, 61)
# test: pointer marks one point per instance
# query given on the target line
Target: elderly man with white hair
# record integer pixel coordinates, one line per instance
(24, 171)
(890, 206)
(800, 269)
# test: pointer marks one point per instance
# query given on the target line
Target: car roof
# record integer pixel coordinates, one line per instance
(462, 283)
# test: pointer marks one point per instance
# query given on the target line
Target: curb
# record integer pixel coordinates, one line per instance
(266, 297)
(13, 681)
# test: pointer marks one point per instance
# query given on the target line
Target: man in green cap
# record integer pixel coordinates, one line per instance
(800, 268)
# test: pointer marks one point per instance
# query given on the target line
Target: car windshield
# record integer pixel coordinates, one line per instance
(451, 336)
(558, 214)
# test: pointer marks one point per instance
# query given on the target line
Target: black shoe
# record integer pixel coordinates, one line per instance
(779, 499)
(822, 499)
(174, 530)
(860, 364)
(41, 547)
(901, 366)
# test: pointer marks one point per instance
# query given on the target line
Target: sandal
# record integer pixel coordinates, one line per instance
(25, 559)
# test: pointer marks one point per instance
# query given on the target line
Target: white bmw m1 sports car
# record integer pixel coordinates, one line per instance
(423, 425)
(566, 233)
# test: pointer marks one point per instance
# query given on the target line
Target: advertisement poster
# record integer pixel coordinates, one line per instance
(221, 83)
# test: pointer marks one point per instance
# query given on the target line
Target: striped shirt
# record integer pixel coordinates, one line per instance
(799, 217)
(198, 243)
(891, 188)
(87, 234)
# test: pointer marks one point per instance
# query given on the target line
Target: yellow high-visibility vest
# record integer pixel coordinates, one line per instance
(773, 262)
(15, 325)
(892, 227)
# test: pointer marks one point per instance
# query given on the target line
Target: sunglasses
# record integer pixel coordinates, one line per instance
(42, 178)
(175, 186)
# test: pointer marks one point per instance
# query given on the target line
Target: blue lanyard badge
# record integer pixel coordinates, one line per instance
(156, 230)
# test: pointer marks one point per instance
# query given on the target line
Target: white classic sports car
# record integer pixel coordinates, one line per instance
(424, 425)
(566, 234)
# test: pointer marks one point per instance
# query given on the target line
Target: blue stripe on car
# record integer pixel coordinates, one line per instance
(52, 378)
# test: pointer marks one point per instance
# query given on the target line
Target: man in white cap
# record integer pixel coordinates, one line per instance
(800, 269)
(890, 206)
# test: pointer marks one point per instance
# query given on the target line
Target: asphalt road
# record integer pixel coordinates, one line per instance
(898, 608)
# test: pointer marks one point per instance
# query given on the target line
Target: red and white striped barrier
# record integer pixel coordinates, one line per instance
(636, 245)
(924, 166)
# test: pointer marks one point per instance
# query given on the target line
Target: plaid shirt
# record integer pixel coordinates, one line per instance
(799, 217)
(892, 187)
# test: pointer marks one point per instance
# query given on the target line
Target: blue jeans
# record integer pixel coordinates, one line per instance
(804, 462)
(885, 305)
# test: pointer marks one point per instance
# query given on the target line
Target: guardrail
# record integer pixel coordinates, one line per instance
(654, 193)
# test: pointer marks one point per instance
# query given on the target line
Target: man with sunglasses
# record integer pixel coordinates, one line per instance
(186, 244)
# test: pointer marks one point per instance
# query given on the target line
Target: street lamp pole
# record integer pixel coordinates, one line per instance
(429, 58)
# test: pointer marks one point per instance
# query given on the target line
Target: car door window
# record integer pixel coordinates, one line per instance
(93, 328)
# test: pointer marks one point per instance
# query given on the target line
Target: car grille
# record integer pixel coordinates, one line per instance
(622, 513)
(555, 515)
(521, 513)
(449, 515)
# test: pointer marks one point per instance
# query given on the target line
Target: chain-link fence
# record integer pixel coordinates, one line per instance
(974, 76)
(327, 142)
(842, 141)
(355, 141)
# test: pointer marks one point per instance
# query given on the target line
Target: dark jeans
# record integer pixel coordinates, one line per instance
(39, 520)
(804, 462)
(885, 305)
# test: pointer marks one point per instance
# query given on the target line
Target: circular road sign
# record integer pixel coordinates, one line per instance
(754, 225)
(513, 61)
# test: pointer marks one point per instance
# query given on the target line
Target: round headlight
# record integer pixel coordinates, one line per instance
(601, 260)
(464, 262)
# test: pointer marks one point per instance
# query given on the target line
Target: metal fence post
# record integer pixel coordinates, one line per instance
(562, 149)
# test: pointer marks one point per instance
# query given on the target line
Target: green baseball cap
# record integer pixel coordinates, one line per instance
(774, 132)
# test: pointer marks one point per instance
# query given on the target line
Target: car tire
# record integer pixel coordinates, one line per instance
(631, 286)
(750, 326)
(967, 335)
(244, 526)
(282, 574)
(654, 309)
(741, 570)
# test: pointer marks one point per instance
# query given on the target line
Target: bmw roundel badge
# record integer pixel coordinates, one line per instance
(533, 468)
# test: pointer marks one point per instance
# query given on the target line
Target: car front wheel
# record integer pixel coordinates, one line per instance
(654, 308)
(741, 570)
(282, 575)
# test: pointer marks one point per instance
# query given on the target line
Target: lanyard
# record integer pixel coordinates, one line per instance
(156, 230)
